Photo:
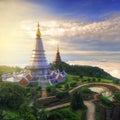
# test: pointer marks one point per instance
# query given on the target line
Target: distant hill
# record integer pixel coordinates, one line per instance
(83, 70)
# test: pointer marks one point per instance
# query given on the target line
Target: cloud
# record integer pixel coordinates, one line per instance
(80, 35)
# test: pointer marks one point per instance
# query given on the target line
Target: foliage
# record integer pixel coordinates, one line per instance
(42, 115)
(117, 95)
(55, 116)
(77, 101)
(100, 112)
(68, 114)
(34, 92)
(73, 84)
(62, 94)
(116, 81)
(50, 88)
(25, 108)
(99, 80)
(105, 101)
(28, 116)
(83, 70)
(6, 115)
(58, 85)
(85, 90)
(11, 95)
(66, 86)
(37, 104)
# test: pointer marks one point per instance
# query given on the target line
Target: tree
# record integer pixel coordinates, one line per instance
(50, 88)
(68, 114)
(28, 116)
(62, 94)
(66, 86)
(85, 90)
(55, 116)
(25, 108)
(77, 101)
(117, 96)
(11, 95)
(42, 115)
(99, 79)
(73, 84)
(105, 101)
(81, 76)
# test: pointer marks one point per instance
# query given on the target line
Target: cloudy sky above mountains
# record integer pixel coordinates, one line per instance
(88, 31)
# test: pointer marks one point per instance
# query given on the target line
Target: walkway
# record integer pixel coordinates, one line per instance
(95, 83)
(58, 106)
(90, 111)
(44, 94)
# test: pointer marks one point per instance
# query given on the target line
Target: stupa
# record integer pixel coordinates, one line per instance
(38, 63)
(57, 56)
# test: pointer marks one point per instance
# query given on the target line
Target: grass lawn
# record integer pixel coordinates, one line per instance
(106, 80)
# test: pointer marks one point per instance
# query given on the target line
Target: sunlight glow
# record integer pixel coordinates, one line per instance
(52, 42)
(114, 73)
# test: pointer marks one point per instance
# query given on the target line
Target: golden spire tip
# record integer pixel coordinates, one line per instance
(38, 33)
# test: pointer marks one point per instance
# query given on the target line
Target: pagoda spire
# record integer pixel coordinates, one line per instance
(57, 48)
(38, 59)
(38, 33)
(57, 56)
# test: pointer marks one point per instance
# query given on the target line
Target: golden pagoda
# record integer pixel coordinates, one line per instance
(57, 56)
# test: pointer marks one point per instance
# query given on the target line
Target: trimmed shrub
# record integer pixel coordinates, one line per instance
(73, 84)
(117, 95)
(85, 90)
(55, 116)
(77, 101)
(50, 88)
(105, 101)
(62, 94)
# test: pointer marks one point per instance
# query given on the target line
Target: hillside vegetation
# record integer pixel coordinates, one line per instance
(83, 70)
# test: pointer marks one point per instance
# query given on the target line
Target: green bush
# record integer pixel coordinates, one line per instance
(11, 95)
(50, 88)
(6, 115)
(58, 86)
(99, 79)
(28, 116)
(117, 95)
(73, 84)
(55, 116)
(85, 90)
(105, 101)
(62, 94)
(66, 86)
(68, 114)
(77, 101)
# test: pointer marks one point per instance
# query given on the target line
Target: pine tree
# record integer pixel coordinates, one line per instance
(77, 101)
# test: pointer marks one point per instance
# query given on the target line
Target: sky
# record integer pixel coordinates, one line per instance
(87, 31)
